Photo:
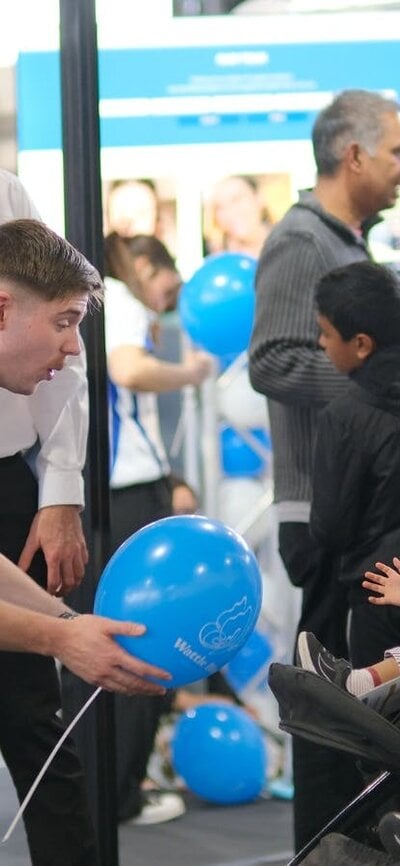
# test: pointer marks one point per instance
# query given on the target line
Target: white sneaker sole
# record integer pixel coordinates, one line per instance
(303, 654)
(172, 808)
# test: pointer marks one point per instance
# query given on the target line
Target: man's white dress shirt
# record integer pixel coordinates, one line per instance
(55, 416)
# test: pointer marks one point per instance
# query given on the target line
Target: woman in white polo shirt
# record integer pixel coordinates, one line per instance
(141, 283)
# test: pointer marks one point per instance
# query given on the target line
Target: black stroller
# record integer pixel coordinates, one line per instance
(317, 710)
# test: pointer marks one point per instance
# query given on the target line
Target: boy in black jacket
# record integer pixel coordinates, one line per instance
(355, 511)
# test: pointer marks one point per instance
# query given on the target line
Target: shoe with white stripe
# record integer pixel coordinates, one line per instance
(312, 656)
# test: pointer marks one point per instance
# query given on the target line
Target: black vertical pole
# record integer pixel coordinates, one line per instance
(83, 215)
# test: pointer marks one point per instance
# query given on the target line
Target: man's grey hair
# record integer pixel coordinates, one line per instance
(353, 116)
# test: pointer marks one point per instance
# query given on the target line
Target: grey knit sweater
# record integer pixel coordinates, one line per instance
(286, 363)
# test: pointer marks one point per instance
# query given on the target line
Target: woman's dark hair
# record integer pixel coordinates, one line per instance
(117, 247)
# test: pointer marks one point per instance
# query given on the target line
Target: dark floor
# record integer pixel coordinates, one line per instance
(214, 836)
(251, 835)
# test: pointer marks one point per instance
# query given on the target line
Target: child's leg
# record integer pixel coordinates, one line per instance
(312, 656)
(365, 679)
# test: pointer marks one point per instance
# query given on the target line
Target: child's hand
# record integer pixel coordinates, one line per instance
(387, 585)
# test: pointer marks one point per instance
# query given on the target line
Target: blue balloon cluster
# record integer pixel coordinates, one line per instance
(216, 305)
(220, 753)
(194, 583)
(238, 457)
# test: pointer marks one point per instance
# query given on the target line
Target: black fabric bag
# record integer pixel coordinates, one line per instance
(318, 710)
(338, 850)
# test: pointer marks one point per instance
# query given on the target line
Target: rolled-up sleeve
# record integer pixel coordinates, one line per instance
(56, 415)
(337, 491)
(62, 426)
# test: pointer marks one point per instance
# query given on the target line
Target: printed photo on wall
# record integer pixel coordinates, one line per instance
(141, 206)
(278, 7)
(239, 211)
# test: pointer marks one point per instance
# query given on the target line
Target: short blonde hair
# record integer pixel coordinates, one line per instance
(48, 266)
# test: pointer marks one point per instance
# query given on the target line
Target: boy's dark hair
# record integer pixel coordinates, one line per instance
(362, 298)
(37, 259)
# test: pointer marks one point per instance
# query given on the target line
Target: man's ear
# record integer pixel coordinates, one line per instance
(354, 157)
(5, 305)
(365, 346)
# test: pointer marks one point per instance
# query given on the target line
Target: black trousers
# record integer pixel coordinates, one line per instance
(324, 779)
(372, 631)
(57, 820)
(137, 717)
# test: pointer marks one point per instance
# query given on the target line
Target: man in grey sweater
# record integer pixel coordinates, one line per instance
(356, 142)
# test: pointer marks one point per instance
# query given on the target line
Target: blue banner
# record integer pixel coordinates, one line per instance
(169, 77)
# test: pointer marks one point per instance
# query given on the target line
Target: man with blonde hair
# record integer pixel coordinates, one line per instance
(46, 288)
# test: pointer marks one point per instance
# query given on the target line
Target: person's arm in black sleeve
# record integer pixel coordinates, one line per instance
(335, 506)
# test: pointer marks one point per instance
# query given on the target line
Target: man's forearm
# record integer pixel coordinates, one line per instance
(285, 362)
(150, 374)
(27, 630)
(17, 588)
(84, 644)
(60, 419)
(297, 374)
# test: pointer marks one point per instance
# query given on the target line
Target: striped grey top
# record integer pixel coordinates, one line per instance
(286, 363)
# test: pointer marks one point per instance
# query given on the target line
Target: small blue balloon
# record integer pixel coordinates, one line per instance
(220, 753)
(216, 305)
(250, 662)
(239, 458)
(194, 583)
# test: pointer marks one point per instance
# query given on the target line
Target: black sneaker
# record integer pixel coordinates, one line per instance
(389, 833)
(312, 656)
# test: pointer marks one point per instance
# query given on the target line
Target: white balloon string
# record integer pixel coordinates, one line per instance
(46, 764)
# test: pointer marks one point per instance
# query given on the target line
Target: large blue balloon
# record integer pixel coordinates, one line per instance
(239, 458)
(197, 587)
(217, 304)
(219, 751)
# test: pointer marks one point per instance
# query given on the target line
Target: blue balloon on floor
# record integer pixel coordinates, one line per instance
(194, 583)
(216, 305)
(238, 457)
(220, 753)
(250, 664)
